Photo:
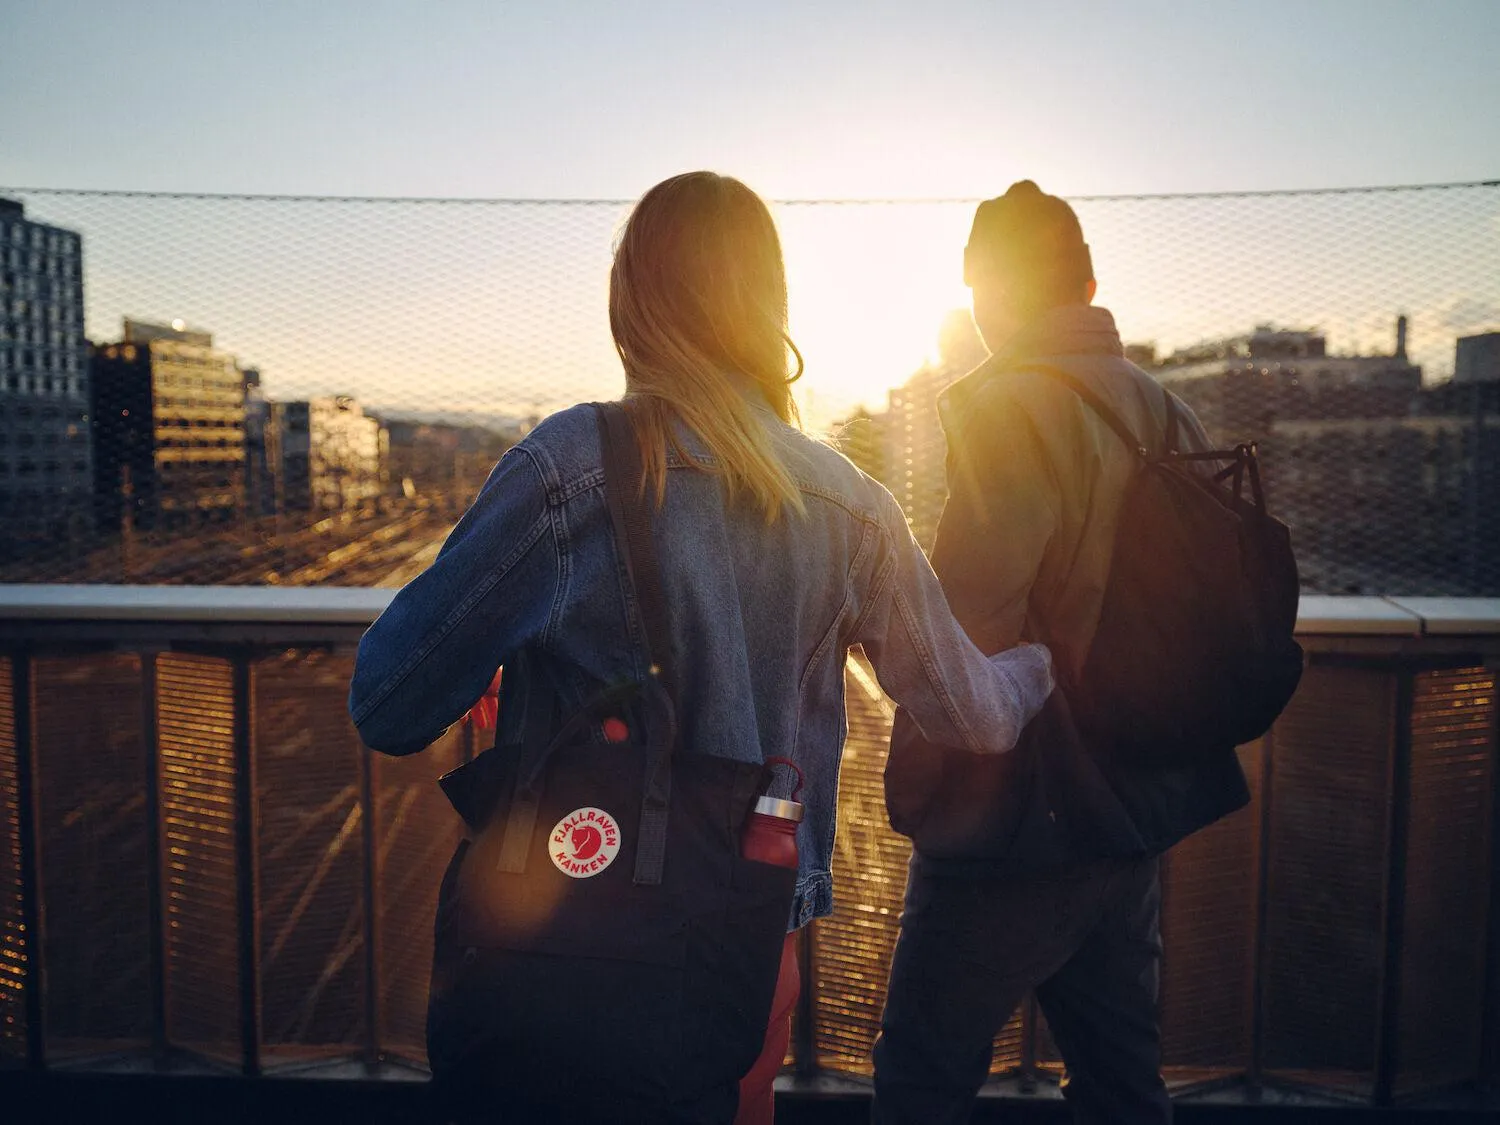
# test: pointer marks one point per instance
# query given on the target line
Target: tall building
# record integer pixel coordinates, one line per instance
(917, 450)
(325, 454)
(260, 444)
(46, 472)
(169, 428)
(912, 457)
(1477, 359)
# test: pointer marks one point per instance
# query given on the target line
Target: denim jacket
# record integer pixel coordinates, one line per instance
(762, 615)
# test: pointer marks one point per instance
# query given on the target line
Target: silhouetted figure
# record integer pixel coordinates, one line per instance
(1036, 480)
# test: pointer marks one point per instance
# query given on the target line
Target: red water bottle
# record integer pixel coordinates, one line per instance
(770, 834)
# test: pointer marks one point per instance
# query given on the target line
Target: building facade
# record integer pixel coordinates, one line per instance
(325, 453)
(904, 446)
(46, 456)
(1477, 359)
(442, 462)
(1239, 386)
(169, 429)
(1387, 484)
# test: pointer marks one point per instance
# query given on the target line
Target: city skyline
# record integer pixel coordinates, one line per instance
(188, 430)
(500, 308)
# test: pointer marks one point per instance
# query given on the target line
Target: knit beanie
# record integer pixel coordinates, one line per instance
(1028, 240)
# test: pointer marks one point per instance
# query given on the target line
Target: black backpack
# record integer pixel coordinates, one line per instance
(1195, 650)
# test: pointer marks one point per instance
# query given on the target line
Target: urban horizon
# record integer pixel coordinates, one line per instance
(259, 454)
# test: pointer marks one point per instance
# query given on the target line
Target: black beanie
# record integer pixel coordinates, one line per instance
(1031, 238)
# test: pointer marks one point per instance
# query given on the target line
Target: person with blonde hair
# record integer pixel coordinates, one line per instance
(776, 554)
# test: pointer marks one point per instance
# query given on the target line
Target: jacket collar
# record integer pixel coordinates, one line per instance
(1066, 330)
(1069, 330)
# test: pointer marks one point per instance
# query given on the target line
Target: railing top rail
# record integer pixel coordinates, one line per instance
(301, 605)
(1320, 615)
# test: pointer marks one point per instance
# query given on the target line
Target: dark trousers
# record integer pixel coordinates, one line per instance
(972, 946)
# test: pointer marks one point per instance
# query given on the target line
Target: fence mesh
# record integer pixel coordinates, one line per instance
(212, 389)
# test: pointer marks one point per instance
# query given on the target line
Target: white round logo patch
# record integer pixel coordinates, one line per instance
(584, 842)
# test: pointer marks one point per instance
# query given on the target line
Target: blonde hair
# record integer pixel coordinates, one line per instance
(697, 306)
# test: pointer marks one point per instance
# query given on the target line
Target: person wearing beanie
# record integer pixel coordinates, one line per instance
(1036, 480)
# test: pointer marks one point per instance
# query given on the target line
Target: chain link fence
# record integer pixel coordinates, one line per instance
(256, 390)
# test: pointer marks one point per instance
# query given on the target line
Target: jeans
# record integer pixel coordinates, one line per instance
(973, 945)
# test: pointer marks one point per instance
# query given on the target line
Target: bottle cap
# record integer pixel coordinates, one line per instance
(776, 806)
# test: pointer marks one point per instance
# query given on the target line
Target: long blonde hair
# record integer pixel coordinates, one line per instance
(697, 306)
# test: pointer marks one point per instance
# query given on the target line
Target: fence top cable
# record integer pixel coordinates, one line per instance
(271, 197)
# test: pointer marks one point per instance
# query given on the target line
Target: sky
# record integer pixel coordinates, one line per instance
(575, 99)
(588, 99)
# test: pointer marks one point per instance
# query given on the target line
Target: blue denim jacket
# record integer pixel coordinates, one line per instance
(762, 616)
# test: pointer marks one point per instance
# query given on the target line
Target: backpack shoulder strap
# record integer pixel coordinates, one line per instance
(632, 524)
(623, 487)
(1094, 402)
(1174, 435)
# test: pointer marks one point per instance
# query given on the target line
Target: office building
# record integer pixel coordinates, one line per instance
(46, 471)
(1477, 359)
(325, 454)
(169, 429)
(1382, 480)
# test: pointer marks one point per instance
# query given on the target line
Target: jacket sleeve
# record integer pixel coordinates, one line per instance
(432, 653)
(955, 694)
(1001, 514)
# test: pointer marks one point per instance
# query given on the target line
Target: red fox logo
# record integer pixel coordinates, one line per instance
(586, 842)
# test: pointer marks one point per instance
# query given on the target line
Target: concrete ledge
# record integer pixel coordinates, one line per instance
(1320, 615)
(1453, 616)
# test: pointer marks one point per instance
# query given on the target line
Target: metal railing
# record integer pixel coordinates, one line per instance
(202, 870)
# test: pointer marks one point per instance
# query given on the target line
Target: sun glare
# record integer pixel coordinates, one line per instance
(869, 286)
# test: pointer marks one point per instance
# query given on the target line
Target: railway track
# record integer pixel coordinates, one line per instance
(357, 548)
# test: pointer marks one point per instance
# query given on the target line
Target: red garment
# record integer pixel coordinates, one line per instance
(485, 713)
(757, 1098)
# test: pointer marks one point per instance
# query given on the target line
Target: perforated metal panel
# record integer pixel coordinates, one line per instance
(92, 827)
(195, 732)
(1008, 1045)
(1210, 885)
(1324, 928)
(310, 837)
(1448, 856)
(1048, 1055)
(854, 944)
(15, 977)
(416, 831)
